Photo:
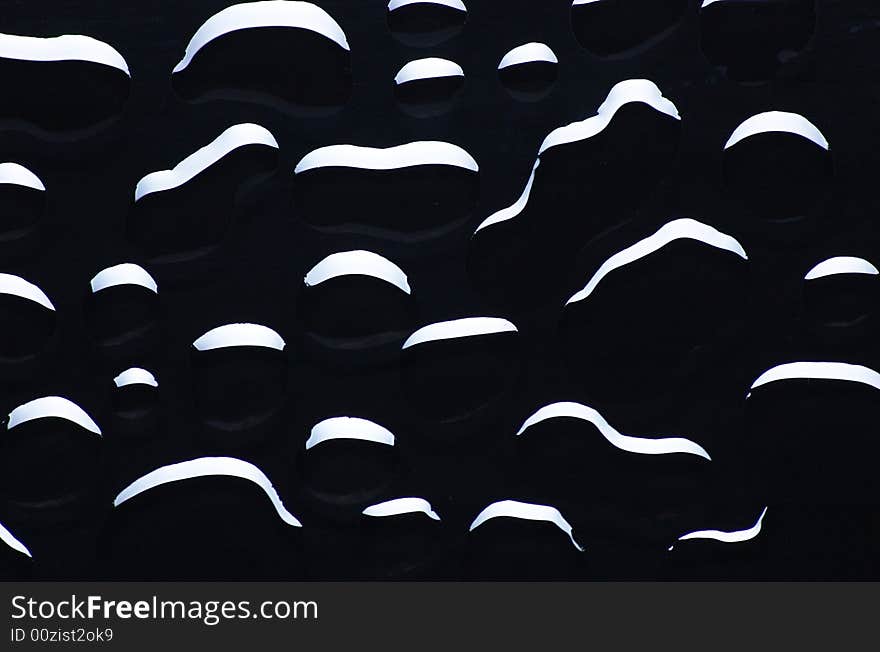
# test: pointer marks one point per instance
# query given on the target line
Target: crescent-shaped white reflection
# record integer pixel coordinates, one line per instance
(18, 287)
(514, 209)
(452, 4)
(135, 376)
(231, 335)
(349, 428)
(819, 371)
(430, 68)
(18, 175)
(423, 152)
(528, 53)
(841, 265)
(206, 467)
(641, 445)
(457, 328)
(268, 13)
(526, 512)
(684, 228)
(123, 274)
(52, 407)
(780, 122)
(9, 539)
(235, 137)
(69, 47)
(359, 262)
(399, 506)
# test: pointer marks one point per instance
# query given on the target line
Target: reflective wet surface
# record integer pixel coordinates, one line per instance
(601, 309)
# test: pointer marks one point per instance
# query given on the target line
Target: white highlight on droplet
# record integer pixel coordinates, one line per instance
(819, 371)
(269, 13)
(400, 506)
(430, 68)
(69, 47)
(526, 512)
(467, 327)
(452, 4)
(641, 445)
(625, 92)
(528, 53)
(358, 262)
(514, 209)
(778, 121)
(422, 152)
(135, 376)
(239, 335)
(18, 175)
(736, 536)
(841, 265)
(235, 137)
(49, 407)
(684, 228)
(205, 467)
(349, 428)
(123, 274)
(18, 287)
(9, 539)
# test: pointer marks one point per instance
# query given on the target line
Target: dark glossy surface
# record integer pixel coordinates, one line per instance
(669, 347)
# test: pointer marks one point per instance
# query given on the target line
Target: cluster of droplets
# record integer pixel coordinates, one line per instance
(124, 307)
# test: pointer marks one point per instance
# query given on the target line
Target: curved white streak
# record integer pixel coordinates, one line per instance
(526, 512)
(514, 209)
(684, 228)
(9, 539)
(239, 335)
(452, 4)
(623, 93)
(18, 287)
(349, 428)
(430, 68)
(737, 536)
(819, 371)
(778, 121)
(18, 175)
(402, 506)
(269, 13)
(422, 152)
(203, 467)
(123, 274)
(841, 265)
(135, 376)
(240, 135)
(706, 3)
(641, 445)
(467, 327)
(52, 406)
(69, 47)
(528, 53)
(358, 262)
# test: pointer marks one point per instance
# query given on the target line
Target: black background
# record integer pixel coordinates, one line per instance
(257, 277)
